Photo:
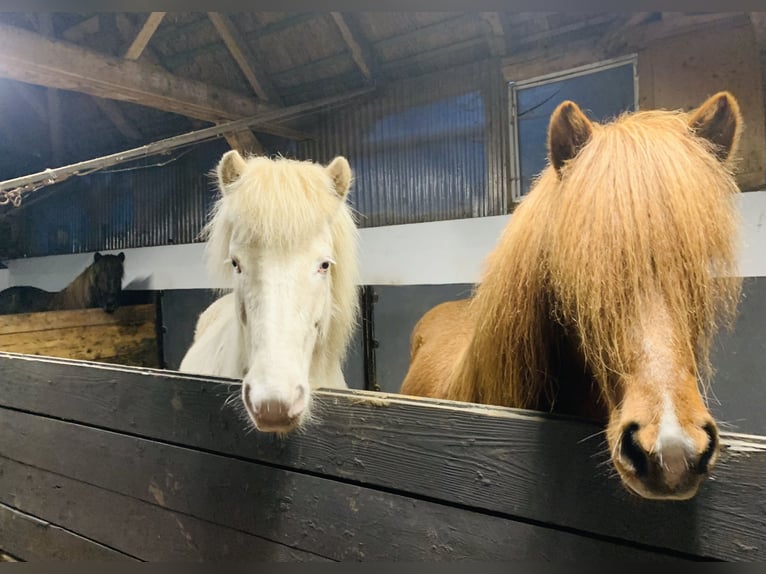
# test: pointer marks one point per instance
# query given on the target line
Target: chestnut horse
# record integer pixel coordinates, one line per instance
(605, 290)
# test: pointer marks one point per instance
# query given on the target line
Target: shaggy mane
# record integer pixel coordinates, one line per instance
(645, 211)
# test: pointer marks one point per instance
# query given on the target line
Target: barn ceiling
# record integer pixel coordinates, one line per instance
(74, 86)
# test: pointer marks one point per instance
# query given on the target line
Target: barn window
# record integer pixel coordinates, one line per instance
(602, 90)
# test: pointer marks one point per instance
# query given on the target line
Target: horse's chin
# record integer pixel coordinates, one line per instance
(636, 487)
(281, 428)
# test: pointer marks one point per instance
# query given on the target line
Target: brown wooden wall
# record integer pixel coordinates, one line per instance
(118, 463)
(127, 337)
(682, 71)
(678, 69)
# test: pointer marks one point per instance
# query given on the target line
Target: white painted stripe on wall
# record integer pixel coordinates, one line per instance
(437, 253)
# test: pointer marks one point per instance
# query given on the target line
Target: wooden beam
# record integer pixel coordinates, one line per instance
(240, 141)
(282, 114)
(216, 48)
(144, 35)
(249, 64)
(112, 111)
(245, 143)
(128, 32)
(108, 107)
(360, 52)
(495, 33)
(29, 57)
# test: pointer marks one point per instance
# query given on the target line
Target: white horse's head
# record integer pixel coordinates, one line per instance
(284, 236)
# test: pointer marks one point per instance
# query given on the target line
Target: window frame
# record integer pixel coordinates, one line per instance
(513, 87)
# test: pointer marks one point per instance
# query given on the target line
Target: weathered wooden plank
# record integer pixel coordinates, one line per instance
(146, 531)
(360, 50)
(246, 60)
(542, 468)
(145, 34)
(245, 143)
(30, 322)
(29, 538)
(92, 343)
(336, 519)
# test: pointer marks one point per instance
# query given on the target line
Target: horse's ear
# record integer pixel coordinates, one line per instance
(340, 172)
(719, 121)
(568, 131)
(121, 255)
(230, 168)
(96, 256)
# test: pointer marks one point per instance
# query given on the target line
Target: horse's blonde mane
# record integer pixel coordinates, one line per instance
(644, 211)
(283, 203)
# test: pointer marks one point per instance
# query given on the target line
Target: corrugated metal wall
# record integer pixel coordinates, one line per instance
(117, 210)
(428, 149)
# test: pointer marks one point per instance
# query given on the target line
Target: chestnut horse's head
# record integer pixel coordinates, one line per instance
(640, 257)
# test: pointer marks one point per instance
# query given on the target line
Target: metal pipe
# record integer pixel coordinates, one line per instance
(50, 176)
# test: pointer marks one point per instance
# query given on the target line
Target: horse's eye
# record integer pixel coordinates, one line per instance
(324, 266)
(236, 266)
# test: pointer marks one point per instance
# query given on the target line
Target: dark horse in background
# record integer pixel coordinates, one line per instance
(100, 285)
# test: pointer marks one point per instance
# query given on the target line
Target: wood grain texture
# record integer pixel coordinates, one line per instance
(31, 58)
(318, 515)
(29, 538)
(145, 531)
(246, 59)
(32, 322)
(145, 34)
(512, 463)
(128, 336)
(357, 46)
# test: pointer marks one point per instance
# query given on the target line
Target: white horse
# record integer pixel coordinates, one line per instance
(284, 239)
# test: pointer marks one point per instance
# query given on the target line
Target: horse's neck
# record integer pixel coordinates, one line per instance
(326, 372)
(574, 389)
(495, 373)
(76, 295)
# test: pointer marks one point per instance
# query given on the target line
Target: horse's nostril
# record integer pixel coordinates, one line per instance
(632, 452)
(703, 466)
